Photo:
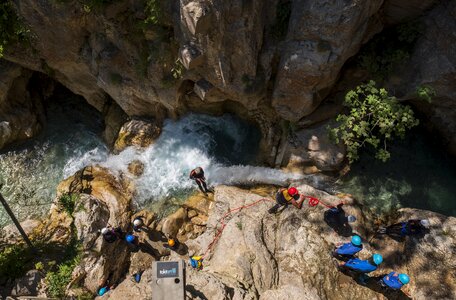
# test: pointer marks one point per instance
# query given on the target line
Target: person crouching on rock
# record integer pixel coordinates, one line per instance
(394, 281)
(286, 196)
(197, 174)
(362, 267)
(110, 235)
(348, 250)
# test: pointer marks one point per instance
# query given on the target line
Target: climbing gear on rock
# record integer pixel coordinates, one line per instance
(104, 230)
(377, 258)
(404, 278)
(356, 240)
(196, 262)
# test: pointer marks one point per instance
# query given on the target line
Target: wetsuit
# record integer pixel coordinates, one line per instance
(112, 235)
(360, 266)
(411, 227)
(198, 175)
(282, 199)
(348, 249)
(392, 281)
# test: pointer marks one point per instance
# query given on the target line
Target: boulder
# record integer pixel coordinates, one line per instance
(20, 113)
(397, 11)
(138, 133)
(10, 234)
(136, 168)
(27, 285)
(312, 147)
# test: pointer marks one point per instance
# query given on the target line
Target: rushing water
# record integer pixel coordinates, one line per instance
(419, 174)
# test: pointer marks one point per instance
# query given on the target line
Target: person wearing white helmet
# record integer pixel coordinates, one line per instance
(410, 227)
(138, 222)
(110, 235)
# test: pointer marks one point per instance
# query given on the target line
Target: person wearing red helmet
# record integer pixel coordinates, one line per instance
(285, 197)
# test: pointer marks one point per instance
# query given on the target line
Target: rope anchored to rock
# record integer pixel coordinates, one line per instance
(196, 261)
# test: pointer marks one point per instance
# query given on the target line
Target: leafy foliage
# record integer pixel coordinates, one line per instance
(58, 280)
(14, 260)
(425, 93)
(67, 202)
(12, 30)
(153, 12)
(389, 49)
(374, 119)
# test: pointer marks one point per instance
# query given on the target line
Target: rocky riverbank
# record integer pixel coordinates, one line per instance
(258, 256)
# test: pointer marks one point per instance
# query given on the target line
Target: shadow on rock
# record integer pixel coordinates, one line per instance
(191, 289)
(336, 219)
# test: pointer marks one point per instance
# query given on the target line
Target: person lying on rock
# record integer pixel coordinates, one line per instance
(197, 174)
(110, 235)
(348, 250)
(286, 196)
(362, 267)
(394, 280)
(410, 227)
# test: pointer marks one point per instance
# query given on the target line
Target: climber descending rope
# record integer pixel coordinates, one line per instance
(197, 261)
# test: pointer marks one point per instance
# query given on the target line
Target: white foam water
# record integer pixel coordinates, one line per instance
(213, 143)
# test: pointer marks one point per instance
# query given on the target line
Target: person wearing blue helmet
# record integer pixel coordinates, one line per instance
(347, 250)
(395, 280)
(364, 266)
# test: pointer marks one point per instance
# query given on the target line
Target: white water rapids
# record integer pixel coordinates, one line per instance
(217, 144)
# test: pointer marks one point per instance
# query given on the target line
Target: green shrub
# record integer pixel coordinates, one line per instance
(59, 279)
(153, 12)
(425, 93)
(12, 30)
(67, 202)
(14, 261)
(374, 119)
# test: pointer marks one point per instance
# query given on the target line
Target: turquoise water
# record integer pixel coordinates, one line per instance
(419, 174)
(31, 171)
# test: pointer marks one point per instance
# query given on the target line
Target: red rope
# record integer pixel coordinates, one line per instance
(312, 202)
(223, 224)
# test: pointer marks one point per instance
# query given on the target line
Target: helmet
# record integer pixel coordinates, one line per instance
(351, 219)
(130, 238)
(171, 242)
(104, 230)
(425, 223)
(356, 240)
(137, 222)
(378, 258)
(102, 291)
(292, 191)
(404, 278)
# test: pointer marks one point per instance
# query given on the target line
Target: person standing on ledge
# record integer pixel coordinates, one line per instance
(197, 174)
(285, 197)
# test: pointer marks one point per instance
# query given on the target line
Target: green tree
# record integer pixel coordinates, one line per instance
(374, 119)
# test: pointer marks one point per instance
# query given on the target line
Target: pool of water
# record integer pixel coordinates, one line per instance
(419, 174)
(31, 171)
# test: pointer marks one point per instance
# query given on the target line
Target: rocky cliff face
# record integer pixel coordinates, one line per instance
(265, 60)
